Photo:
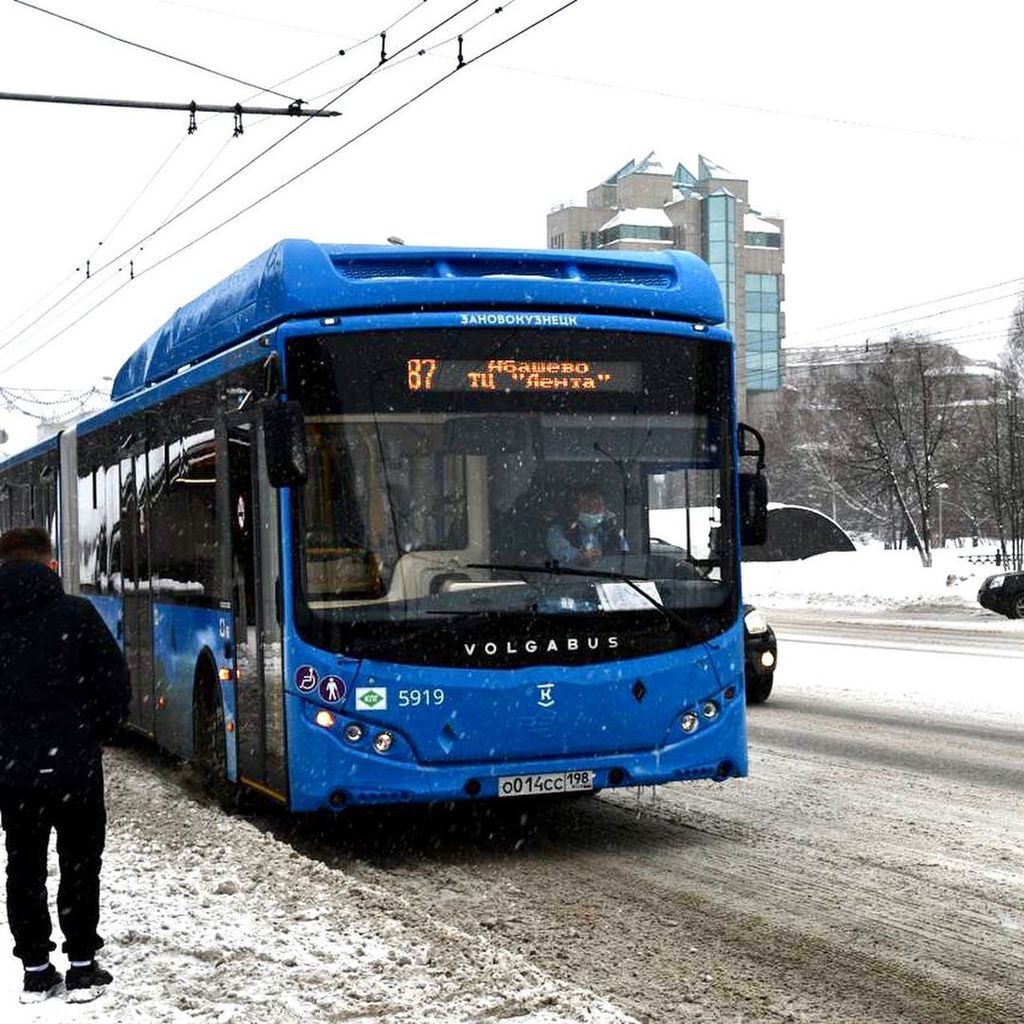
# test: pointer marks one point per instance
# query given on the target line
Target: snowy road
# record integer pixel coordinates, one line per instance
(870, 870)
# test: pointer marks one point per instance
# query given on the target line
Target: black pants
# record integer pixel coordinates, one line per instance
(78, 815)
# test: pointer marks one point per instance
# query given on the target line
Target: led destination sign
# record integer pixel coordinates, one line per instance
(504, 375)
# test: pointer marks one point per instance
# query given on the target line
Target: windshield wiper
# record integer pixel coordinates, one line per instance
(554, 569)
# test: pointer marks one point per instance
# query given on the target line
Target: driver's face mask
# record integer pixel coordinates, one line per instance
(590, 520)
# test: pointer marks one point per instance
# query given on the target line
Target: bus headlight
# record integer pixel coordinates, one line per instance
(709, 709)
(324, 718)
(382, 742)
(354, 732)
(755, 622)
(767, 659)
(689, 722)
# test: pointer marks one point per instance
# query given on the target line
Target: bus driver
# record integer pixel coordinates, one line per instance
(592, 533)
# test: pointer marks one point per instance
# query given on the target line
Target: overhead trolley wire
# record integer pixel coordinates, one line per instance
(164, 163)
(234, 174)
(846, 122)
(355, 138)
(892, 325)
(266, 21)
(159, 53)
(189, 189)
(917, 305)
(96, 248)
(290, 181)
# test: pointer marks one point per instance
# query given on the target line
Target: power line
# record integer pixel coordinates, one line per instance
(159, 53)
(393, 63)
(99, 244)
(916, 305)
(124, 284)
(757, 109)
(914, 320)
(258, 21)
(159, 170)
(137, 244)
(195, 181)
(290, 181)
(355, 138)
(240, 170)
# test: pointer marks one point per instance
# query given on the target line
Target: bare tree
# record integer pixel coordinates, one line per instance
(899, 414)
(996, 462)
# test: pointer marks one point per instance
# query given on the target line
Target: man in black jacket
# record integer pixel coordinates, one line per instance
(63, 690)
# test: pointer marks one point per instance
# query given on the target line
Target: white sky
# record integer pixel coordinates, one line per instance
(917, 205)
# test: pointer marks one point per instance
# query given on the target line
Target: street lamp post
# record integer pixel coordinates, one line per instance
(940, 488)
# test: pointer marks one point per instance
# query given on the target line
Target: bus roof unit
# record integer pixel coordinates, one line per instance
(298, 279)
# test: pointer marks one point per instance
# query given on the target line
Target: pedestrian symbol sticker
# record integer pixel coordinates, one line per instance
(371, 698)
(306, 678)
(332, 689)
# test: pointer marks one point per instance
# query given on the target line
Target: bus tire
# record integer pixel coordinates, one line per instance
(209, 743)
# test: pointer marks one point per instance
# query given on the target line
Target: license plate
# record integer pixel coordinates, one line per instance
(545, 785)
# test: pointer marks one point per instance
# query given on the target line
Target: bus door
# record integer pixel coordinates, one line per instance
(135, 590)
(250, 536)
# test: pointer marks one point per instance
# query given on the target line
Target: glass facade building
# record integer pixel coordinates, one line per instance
(648, 204)
(762, 330)
(720, 247)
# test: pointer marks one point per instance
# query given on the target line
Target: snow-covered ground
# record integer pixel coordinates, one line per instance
(207, 918)
(870, 580)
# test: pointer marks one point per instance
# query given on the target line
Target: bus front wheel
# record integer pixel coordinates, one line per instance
(209, 743)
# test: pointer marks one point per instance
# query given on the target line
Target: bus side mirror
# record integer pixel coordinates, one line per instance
(753, 509)
(284, 434)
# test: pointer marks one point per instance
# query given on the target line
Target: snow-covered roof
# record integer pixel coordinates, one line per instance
(649, 164)
(709, 169)
(753, 223)
(640, 216)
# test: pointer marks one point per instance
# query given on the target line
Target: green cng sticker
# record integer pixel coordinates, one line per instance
(371, 698)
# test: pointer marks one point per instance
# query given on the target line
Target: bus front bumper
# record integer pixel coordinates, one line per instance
(334, 774)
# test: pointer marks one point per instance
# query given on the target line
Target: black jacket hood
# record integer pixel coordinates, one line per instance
(26, 586)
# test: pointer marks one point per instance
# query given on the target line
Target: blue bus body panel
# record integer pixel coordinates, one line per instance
(297, 279)
(542, 319)
(49, 446)
(181, 634)
(111, 610)
(502, 722)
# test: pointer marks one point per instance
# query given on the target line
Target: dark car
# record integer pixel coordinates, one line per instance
(761, 655)
(760, 652)
(1004, 593)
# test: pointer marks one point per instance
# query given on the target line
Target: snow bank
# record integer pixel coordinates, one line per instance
(868, 579)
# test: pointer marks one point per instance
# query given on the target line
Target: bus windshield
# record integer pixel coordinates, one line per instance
(561, 496)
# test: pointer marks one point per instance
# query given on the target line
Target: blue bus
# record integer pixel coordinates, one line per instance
(319, 516)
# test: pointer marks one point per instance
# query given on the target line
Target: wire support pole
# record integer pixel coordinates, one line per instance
(293, 110)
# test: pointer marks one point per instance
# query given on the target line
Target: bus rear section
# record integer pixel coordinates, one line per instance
(451, 637)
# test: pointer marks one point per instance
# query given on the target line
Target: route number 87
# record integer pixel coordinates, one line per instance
(421, 374)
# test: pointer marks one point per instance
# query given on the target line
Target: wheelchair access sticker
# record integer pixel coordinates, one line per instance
(307, 678)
